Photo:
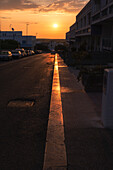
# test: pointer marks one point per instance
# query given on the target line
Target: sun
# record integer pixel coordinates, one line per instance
(55, 25)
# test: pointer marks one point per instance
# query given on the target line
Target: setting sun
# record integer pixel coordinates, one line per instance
(45, 19)
(55, 25)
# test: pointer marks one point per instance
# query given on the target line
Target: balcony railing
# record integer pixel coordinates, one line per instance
(105, 12)
(96, 17)
(111, 9)
(96, 8)
(110, 1)
(107, 43)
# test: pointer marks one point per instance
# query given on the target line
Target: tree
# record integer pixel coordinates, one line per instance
(9, 44)
(42, 47)
(60, 47)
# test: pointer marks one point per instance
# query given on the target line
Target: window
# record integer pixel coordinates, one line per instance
(106, 2)
(24, 42)
(77, 25)
(96, 17)
(85, 21)
(111, 9)
(81, 23)
(89, 18)
(104, 12)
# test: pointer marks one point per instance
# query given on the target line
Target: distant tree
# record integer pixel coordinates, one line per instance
(73, 49)
(42, 47)
(83, 47)
(60, 47)
(9, 44)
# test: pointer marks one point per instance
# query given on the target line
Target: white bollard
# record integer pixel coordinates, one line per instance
(107, 99)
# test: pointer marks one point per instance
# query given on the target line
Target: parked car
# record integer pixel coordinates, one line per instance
(16, 54)
(30, 52)
(5, 55)
(27, 52)
(33, 52)
(53, 52)
(38, 51)
(23, 53)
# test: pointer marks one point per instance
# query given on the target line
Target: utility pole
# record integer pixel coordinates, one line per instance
(27, 28)
(0, 25)
(0, 37)
(36, 34)
(27, 24)
(10, 26)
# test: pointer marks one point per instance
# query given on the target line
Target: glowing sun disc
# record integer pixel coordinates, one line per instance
(55, 25)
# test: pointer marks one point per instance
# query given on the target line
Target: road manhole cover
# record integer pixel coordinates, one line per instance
(21, 103)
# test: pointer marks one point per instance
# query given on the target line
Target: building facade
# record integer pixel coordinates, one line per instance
(83, 30)
(28, 42)
(51, 43)
(94, 26)
(102, 24)
(11, 35)
(71, 36)
(25, 41)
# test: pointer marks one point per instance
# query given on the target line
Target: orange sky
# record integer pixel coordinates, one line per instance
(41, 15)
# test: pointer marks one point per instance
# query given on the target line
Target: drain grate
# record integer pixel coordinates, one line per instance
(21, 103)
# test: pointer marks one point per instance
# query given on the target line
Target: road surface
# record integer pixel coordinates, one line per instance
(25, 90)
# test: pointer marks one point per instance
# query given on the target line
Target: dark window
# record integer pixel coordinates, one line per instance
(89, 18)
(85, 21)
(111, 9)
(104, 12)
(24, 42)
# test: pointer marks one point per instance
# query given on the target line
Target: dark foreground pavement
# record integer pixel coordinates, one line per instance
(88, 145)
(23, 129)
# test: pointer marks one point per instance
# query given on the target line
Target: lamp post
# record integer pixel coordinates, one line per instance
(0, 37)
(36, 34)
(27, 28)
(27, 24)
(0, 24)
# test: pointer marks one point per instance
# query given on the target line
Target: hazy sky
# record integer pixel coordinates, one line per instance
(40, 15)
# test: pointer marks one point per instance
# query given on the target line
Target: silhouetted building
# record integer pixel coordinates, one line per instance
(94, 26)
(102, 24)
(25, 41)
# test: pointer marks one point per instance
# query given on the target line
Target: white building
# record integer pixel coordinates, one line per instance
(102, 24)
(28, 42)
(83, 30)
(70, 36)
(51, 43)
(94, 26)
(80, 31)
(11, 35)
(25, 41)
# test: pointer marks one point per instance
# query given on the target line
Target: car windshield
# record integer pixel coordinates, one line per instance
(15, 52)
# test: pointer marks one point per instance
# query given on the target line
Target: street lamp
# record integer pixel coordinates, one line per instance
(36, 34)
(27, 28)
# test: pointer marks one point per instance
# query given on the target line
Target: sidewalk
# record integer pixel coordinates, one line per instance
(88, 145)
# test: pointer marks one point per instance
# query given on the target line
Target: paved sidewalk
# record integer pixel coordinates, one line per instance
(88, 145)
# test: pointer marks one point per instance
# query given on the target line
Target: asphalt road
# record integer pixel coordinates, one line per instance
(23, 129)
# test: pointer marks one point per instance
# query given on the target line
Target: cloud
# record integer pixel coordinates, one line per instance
(17, 4)
(70, 6)
(5, 17)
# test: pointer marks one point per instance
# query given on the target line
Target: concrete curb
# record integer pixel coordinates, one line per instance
(55, 151)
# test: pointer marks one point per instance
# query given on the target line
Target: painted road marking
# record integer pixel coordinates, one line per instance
(55, 151)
